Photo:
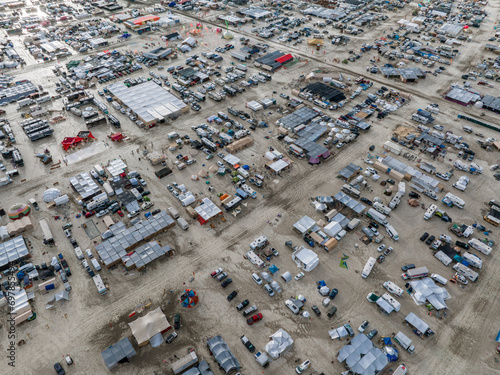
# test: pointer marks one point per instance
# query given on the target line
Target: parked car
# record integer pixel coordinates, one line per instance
(367, 201)
(269, 290)
(232, 295)
(381, 248)
(430, 240)
(226, 282)
(254, 319)
(177, 321)
(59, 369)
(221, 276)
(303, 366)
(380, 259)
(349, 330)
(463, 245)
(333, 293)
(331, 312)
(388, 251)
(171, 338)
(299, 276)
(242, 304)
(316, 310)
(424, 236)
(407, 267)
(247, 343)
(372, 334)
(216, 272)
(363, 326)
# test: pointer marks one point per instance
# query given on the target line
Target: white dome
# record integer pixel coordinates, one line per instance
(50, 194)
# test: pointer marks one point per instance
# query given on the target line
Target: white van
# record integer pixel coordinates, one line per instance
(79, 253)
(440, 279)
(401, 370)
(256, 278)
(99, 170)
(147, 205)
(96, 264)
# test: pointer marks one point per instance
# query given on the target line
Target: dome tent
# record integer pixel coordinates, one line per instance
(50, 194)
(19, 210)
(189, 298)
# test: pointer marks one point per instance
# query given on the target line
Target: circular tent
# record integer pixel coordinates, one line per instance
(189, 298)
(19, 210)
(50, 194)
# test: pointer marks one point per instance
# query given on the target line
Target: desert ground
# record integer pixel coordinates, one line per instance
(88, 323)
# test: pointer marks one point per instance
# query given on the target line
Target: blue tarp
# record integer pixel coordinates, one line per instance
(273, 269)
(387, 340)
(498, 337)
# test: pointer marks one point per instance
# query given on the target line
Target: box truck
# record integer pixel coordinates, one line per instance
(404, 341)
(173, 212)
(183, 223)
(415, 273)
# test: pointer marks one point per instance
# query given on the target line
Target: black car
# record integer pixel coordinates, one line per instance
(316, 310)
(177, 321)
(247, 343)
(414, 195)
(373, 224)
(144, 193)
(242, 305)
(408, 267)
(424, 236)
(430, 240)
(157, 211)
(333, 293)
(463, 245)
(372, 147)
(226, 282)
(366, 200)
(372, 334)
(231, 296)
(59, 369)
(73, 242)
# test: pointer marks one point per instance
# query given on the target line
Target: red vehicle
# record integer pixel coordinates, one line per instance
(89, 214)
(120, 213)
(254, 319)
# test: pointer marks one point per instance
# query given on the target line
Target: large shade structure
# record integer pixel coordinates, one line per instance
(148, 326)
(19, 210)
(189, 298)
(50, 194)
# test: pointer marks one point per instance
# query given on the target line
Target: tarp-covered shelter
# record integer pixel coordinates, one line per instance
(362, 357)
(306, 259)
(119, 352)
(148, 326)
(280, 344)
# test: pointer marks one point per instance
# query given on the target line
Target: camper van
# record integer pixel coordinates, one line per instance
(96, 264)
(440, 279)
(393, 288)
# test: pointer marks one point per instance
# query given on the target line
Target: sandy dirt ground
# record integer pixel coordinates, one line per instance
(89, 323)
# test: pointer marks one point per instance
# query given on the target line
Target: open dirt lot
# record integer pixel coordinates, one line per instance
(87, 324)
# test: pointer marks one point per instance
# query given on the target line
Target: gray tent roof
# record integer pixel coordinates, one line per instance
(416, 322)
(116, 352)
(227, 361)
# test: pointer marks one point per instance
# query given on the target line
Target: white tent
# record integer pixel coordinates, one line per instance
(64, 295)
(332, 229)
(281, 342)
(338, 333)
(306, 259)
(287, 277)
(425, 290)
